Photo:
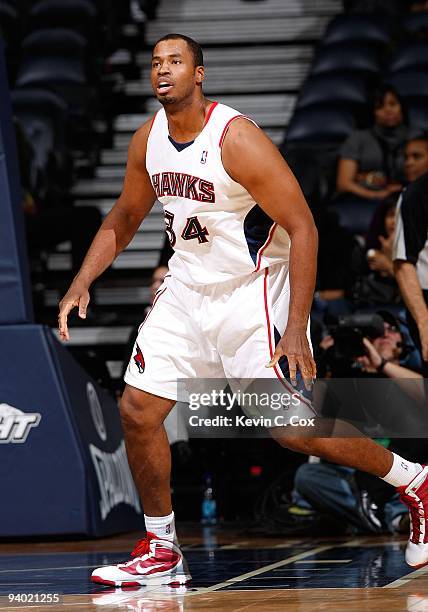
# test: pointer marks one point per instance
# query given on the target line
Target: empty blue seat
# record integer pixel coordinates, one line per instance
(339, 89)
(313, 125)
(355, 215)
(410, 56)
(45, 69)
(418, 114)
(52, 54)
(54, 41)
(416, 23)
(72, 14)
(411, 84)
(54, 58)
(346, 57)
(362, 28)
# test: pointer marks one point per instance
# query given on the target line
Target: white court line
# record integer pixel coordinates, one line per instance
(233, 546)
(281, 577)
(398, 583)
(326, 561)
(306, 569)
(262, 570)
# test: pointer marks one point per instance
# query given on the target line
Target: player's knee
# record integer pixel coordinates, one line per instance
(138, 415)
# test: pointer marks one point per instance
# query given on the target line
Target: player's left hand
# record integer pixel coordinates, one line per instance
(295, 346)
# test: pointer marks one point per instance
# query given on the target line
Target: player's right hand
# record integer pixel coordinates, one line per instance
(76, 296)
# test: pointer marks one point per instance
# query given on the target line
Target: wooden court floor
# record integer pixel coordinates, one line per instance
(230, 572)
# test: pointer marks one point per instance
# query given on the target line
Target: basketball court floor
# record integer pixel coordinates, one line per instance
(229, 573)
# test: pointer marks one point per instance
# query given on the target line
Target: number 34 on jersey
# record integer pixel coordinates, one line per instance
(192, 229)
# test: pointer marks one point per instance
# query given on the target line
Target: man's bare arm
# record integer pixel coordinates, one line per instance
(252, 160)
(405, 273)
(116, 231)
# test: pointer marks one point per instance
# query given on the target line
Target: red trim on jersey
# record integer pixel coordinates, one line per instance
(157, 296)
(226, 127)
(265, 245)
(153, 120)
(278, 372)
(209, 113)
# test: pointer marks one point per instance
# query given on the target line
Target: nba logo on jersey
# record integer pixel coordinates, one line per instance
(204, 157)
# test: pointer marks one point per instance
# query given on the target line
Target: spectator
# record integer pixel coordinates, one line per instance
(375, 282)
(416, 158)
(371, 161)
(380, 237)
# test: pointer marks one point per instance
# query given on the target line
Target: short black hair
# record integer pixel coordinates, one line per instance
(194, 46)
(422, 137)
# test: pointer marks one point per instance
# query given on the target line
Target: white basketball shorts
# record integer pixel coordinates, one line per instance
(227, 330)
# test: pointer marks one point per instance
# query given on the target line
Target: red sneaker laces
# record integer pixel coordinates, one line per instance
(142, 547)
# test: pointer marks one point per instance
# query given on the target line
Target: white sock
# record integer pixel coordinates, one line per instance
(161, 526)
(401, 472)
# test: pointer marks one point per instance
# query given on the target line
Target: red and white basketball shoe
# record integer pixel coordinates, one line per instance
(415, 496)
(154, 561)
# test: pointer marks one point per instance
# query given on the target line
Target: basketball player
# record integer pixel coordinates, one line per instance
(237, 298)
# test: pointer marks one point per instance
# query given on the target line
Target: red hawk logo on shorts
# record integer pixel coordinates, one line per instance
(139, 360)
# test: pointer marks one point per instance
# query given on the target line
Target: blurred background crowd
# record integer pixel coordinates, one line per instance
(344, 94)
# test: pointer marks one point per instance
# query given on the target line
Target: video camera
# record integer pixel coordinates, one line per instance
(348, 332)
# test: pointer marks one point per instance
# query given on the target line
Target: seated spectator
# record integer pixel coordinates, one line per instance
(380, 238)
(416, 157)
(372, 266)
(371, 161)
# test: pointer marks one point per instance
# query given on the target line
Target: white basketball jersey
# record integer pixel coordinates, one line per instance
(217, 230)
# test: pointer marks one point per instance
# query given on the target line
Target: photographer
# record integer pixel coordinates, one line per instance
(354, 497)
(364, 344)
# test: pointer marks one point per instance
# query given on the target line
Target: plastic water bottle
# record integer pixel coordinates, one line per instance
(209, 504)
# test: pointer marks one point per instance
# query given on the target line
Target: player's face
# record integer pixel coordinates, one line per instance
(416, 159)
(174, 75)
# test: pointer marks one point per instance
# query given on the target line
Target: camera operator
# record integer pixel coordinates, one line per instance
(363, 345)
(333, 491)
